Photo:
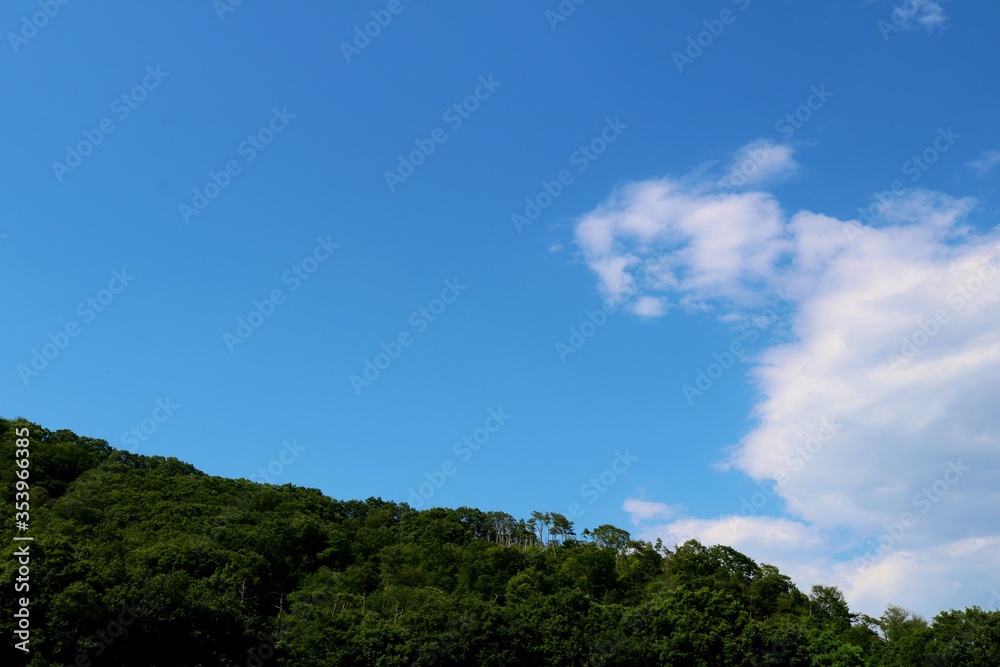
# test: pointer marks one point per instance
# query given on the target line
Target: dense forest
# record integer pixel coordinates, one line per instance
(144, 560)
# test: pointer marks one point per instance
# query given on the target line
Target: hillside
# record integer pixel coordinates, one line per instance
(144, 560)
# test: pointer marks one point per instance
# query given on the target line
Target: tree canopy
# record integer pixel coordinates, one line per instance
(146, 561)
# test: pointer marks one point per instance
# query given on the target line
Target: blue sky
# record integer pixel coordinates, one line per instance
(704, 160)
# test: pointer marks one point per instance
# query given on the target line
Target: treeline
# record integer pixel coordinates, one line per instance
(145, 561)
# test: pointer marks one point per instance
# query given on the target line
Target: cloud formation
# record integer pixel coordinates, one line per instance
(923, 13)
(875, 432)
(691, 240)
(985, 163)
(645, 510)
(758, 163)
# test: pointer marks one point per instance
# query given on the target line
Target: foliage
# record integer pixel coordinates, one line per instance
(230, 572)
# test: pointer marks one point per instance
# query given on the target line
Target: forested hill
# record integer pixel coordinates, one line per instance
(143, 560)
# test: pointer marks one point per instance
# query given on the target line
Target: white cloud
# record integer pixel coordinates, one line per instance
(649, 306)
(696, 241)
(951, 575)
(645, 510)
(759, 162)
(769, 538)
(985, 163)
(924, 13)
(893, 340)
(955, 574)
(931, 15)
